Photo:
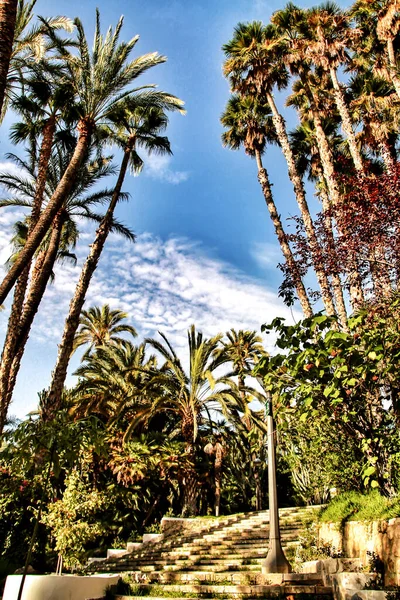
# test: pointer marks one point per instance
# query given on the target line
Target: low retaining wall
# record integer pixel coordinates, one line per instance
(58, 587)
(357, 538)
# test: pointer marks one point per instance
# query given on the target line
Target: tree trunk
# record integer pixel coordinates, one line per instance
(8, 15)
(329, 176)
(190, 494)
(54, 205)
(336, 281)
(72, 321)
(387, 156)
(9, 369)
(393, 66)
(346, 122)
(219, 454)
(295, 178)
(9, 347)
(282, 239)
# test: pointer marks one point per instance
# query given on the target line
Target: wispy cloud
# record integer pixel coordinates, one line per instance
(266, 255)
(163, 285)
(158, 167)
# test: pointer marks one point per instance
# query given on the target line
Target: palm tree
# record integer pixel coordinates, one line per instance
(217, 449)
(248, 123)
(101, 326)
(138, 127)
(253, 65)
(328, 35)
(99, 80)
(375, 107)
(188, 395)
(8, 15)
(243, 349)
(307, 98)
(112, 380)
(29, 49)
(57, 244)
(47, 102)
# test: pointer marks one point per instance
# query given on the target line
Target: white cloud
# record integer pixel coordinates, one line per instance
(266, 255)
(158, 167)
(9, 167)
(163, 286)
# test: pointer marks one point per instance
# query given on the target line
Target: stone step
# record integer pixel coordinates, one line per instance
(241, 591)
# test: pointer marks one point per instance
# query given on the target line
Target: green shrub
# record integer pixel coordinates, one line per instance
(354, 506)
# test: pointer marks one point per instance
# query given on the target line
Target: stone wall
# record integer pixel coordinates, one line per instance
(356, 538)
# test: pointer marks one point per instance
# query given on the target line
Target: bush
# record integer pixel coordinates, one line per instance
(354, 506)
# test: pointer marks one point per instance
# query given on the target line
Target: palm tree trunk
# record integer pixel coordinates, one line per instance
(77, 302)
(336, 281)
(282, 239)
(329, 176)
(295, 178)
(393, 66)
(11, 361)
(219, 454)
(64, 187)
(9, 347)
(346, 122)
(387, 156)
(8, 15)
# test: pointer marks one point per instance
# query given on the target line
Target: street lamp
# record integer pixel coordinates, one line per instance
(276, 561)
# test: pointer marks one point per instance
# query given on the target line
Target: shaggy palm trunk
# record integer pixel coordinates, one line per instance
(64, 187)
(336, 281)
(72, 322)
(393, 66)
(219, 454)
(32, 303)
(328, 169)
(282, 239)
(387, 156)
(346, 122)
(295, 178)
(8, 15)
(9, 348)
(190, 481)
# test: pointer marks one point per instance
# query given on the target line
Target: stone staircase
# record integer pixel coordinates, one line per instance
(216, 558)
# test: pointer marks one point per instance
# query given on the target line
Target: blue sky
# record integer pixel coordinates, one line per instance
(206, 251)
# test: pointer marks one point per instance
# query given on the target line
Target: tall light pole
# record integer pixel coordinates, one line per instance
(276, 561)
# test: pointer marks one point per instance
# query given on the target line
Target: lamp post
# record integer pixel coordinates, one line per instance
(276, 561)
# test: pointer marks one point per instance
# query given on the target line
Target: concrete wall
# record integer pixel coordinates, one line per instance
(58, 587)
(356, 538)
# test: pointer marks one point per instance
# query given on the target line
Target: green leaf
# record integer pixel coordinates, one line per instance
(374, 484)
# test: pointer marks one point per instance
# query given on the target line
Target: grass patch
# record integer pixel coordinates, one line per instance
(354, 506)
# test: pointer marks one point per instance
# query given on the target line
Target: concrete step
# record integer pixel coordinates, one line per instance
(238, 591)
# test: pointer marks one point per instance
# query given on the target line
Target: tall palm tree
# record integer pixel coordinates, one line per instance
(138, 127)
(188, 394)
(101, 326)
(64, 234)
(43, 105)
(325, 43)
(306, 97)
(248, 123)
(8, 15)
(99, 79)
(253, 65)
